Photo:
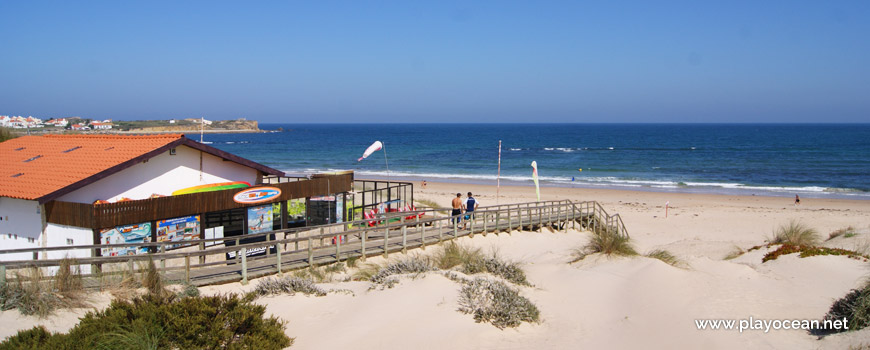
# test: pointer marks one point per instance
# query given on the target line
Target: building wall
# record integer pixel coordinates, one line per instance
(20, 226)
(62, 235)
(163, 174)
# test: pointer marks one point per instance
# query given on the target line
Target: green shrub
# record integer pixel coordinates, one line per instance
(495, 302)
(188, 291)
(151, 321)
(808, 251)
(795, 233)
(34, 338)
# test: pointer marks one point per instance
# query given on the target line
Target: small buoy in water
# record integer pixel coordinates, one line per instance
(581, 169)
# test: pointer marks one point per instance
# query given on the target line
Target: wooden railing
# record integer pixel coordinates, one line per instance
(205, 261)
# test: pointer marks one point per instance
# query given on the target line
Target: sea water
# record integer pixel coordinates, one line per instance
(814, 160)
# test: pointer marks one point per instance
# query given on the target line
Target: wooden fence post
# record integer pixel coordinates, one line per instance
(440, 233)
(365, 234)
(404, 236)
(187, 269)
(245, 265)
(278, 257)
(422, 233)
(338, 248)
(162, 260)
(386, 241)
(2, 275)
(485, 217)
(310, 252)
(201, 256)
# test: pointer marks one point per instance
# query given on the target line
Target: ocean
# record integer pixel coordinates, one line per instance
(812, 160)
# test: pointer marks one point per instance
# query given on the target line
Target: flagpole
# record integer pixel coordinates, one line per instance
(498, 177)
(384, 146)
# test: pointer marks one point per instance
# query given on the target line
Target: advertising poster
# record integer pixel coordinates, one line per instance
(178, 229)
(260, 219)
(137, 233)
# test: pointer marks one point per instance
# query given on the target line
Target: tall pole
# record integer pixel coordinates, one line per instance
(384, 146)
(498, 176)
(201, 128)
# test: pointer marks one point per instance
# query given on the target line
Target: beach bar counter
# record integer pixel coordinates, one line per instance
(74, 190)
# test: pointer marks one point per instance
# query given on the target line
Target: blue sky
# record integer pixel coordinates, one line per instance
(408, 61)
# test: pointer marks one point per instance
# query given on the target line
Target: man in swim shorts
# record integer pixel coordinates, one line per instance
(457, 208)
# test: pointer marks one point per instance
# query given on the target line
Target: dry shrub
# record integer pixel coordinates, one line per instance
(408, 265)
(495, 302)
(287, 285)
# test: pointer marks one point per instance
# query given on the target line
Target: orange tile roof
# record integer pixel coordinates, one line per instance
(33, 167)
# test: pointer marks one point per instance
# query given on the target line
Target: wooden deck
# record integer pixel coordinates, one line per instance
(312, 246)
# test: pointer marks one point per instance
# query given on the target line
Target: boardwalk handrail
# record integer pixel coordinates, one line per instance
(307, 246)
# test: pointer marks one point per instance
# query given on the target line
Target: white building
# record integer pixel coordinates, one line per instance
(38, 172)
(101, 125)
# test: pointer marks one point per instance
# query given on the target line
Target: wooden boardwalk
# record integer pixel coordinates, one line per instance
(201, 264)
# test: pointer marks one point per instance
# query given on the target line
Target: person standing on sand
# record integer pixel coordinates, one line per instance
(457, 208)
(797, 200)
(423, 185)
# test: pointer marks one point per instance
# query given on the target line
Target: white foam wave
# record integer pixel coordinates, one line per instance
(604, 181)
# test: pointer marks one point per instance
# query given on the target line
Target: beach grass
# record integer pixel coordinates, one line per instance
(795, 233)
(846, 232)
(472, 261)
(736, 252)
(854, 307)
(666, 257)
(33, 294)
(608, 243)
(452, 254)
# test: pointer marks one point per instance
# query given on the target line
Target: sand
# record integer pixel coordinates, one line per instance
(600, 302)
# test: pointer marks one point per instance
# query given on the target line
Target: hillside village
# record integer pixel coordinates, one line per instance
(86, 124)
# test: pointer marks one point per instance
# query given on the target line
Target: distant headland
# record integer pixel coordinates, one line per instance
(87, 125)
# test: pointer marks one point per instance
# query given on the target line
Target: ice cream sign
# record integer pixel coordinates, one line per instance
(257, 195)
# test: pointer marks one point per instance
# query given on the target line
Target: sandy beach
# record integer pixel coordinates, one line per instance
(599, 302)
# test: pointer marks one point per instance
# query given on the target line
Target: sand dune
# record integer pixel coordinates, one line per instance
(600, 302)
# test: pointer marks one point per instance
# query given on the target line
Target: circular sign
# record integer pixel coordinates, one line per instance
(257, 195)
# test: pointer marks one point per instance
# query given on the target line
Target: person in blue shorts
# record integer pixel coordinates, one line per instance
(469, 205)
